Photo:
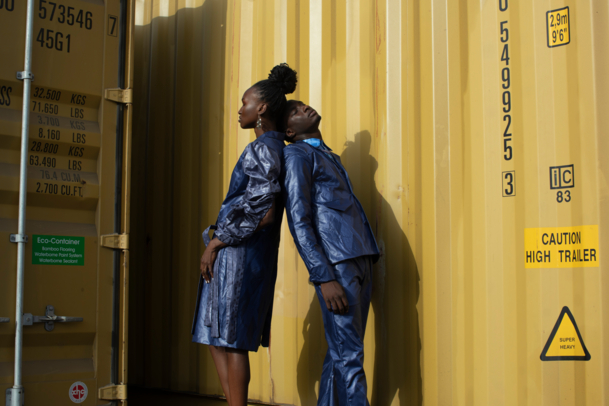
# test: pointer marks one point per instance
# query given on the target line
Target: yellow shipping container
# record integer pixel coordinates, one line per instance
(472, 132)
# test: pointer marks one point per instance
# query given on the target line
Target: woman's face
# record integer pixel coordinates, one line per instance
(251, 105)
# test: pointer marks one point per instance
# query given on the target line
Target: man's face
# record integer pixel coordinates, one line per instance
(300, 119)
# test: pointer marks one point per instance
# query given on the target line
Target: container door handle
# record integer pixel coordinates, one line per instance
(49, 319)
(4, 319)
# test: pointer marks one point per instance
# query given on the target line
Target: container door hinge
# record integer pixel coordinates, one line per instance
(115, 241)
(113, 392)
(18, 393)
(124, 96)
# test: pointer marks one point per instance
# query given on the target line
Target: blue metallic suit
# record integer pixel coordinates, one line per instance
(235, 309)
(335, 241)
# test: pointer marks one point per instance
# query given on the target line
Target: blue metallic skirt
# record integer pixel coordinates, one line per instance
(235, 309)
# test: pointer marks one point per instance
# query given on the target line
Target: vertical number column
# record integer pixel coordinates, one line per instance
(508, 177)
(506, 97)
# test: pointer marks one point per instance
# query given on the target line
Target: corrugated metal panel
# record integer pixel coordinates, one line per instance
(414, 101)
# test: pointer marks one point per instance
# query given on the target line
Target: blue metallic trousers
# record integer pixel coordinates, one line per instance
(343, 381)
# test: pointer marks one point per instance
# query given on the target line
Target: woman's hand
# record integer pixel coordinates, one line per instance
(209, 258)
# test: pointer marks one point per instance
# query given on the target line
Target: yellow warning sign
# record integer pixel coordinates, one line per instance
(561, 247)
(565, 342)
(558, 27)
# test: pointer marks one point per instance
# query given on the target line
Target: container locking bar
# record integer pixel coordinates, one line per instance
(4, 319)
(113, 392)
(115, 241)
(15, 395)
(49, 319)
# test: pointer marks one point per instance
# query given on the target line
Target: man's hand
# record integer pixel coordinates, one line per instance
(335, 297)
(209, 258)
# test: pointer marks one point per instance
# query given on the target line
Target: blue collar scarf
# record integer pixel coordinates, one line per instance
(317, 143)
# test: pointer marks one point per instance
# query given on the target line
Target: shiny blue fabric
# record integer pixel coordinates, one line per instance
(325, 218)
(343, 381)
(235, 309)
(314, 142)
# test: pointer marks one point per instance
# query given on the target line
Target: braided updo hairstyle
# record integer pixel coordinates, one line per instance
(281, 81)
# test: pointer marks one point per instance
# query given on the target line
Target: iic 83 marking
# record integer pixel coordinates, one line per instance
(562, 177)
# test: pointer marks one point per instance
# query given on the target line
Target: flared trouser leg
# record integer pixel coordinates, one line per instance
(343, 380)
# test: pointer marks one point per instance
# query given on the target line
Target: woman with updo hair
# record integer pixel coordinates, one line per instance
(239, 265)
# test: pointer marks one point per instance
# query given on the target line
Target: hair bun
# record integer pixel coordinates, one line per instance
(284, 77)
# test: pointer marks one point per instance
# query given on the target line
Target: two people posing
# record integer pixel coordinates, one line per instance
(330, 230)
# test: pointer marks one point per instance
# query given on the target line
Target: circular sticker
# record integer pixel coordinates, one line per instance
(78, 392)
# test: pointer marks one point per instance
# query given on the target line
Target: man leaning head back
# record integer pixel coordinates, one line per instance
(300, 121)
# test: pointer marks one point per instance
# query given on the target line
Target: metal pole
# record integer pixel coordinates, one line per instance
(27, 76)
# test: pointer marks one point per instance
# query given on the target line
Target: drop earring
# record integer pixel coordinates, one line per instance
(259, 122)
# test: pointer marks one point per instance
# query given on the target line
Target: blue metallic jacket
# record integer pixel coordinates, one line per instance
(325, 218)
(254, 185)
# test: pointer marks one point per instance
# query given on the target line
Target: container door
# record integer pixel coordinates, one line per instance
(76, 194)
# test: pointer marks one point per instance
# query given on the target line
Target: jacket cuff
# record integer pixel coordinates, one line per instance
(226, 238)
(321, 274)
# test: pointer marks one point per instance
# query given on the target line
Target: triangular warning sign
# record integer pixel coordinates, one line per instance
(565, 342)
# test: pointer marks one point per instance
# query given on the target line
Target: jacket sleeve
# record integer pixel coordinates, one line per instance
(297, 193)
(263, 167)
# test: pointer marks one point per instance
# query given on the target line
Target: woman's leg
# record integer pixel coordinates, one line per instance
(220, 357)
(238, 375)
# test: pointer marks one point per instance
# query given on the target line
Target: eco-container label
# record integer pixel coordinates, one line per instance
(561, 247)
(58, 250)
